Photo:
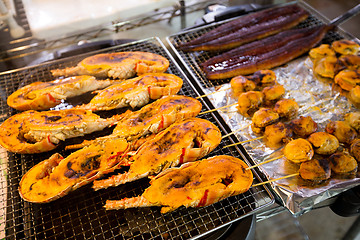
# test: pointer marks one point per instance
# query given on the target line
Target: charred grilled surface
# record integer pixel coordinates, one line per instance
(117, 65)
(194, 184)
(268, 53)
(248, 28)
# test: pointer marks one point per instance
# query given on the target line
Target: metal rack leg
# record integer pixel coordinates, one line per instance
(354, 231)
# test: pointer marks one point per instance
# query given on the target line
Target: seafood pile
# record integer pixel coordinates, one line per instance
(324, 126)
(164, 133)
(194, 184)
(257, 41)
(340, 63)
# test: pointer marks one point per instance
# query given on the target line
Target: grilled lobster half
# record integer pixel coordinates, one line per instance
(151, 118)
(182, 142)
(194, 184)
(57, 176)
(35, 132)
(135, 92)
(45, 95)
(118, 65)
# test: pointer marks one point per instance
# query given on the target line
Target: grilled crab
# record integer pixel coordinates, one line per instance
(45, 95)
(35, 132)
(151, 118)
(135, 92)
(182, 142)
(57, 176)
(194, 184)
(118, 65)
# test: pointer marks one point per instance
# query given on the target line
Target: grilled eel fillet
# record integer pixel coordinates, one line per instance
(266, 53)
(248, 28)
(194, 184)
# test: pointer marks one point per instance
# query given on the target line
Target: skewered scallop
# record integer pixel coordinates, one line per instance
(343, 163)
(326, 67)
(262, 118)
(277, 134)
(345, 46)
(322, 51)
(342, 131)
(272, 94)
(347, 79)
(324, 143)
(315, 170)
(355, 94)
(355, 149)
(351, 62)
(303, 126)
(298, 151)
(240, 84)
(263, 78)
(353, 119)
(286, 108)
(249, 102)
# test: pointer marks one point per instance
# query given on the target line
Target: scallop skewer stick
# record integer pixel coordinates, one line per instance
(248, 83)
(275, 179)
(264, 162)
(316, 170)
(215, 109)
(221, 90)
(245, 141)
(237, 130)
(296, 151)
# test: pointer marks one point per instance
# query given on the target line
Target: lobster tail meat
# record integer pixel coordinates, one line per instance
(157, 116)
(151, 118)
(135, 92)
(118, 65)
(57, 176)
(194, 184)
(45, 95)
(182, 142)
(248, 28)
(267, 53)
(35, 132)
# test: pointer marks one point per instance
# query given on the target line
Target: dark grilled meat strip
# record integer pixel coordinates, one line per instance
(264, 54)
(248, 28)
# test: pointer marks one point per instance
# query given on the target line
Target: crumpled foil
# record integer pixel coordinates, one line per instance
(317, 98)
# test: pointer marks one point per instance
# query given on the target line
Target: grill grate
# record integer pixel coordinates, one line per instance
(80, 214)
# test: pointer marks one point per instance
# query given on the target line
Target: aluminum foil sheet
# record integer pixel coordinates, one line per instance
(317, 98)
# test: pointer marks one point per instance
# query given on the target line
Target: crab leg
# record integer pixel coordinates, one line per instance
(194, 184)
(182, 142)
(135, 92)
(118, 65)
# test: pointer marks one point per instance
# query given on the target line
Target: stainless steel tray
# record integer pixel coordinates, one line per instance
(80, 214)
(297, 200)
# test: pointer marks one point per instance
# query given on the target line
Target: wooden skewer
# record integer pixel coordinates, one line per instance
(213, 93)
(276, 179)
(215, 109)
(237, 130)
(266, 161)
(245, 141)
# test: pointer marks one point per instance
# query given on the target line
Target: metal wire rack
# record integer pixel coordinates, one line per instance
(80, 214)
